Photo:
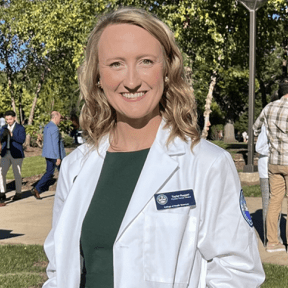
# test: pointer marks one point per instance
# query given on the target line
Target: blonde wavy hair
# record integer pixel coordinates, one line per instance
(177, 105)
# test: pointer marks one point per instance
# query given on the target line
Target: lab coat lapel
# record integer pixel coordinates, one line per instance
(158, 168)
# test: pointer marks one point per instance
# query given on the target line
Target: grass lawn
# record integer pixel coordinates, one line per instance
(23, 266)
(276, 276)
(231, 147)
(31, 166)
(252, 191)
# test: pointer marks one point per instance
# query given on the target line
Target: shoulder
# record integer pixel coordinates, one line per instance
(273, 104)
(204, 152)
(207, 151)
(76, 156)
(51, 126)
(19, 126)
(207, 156)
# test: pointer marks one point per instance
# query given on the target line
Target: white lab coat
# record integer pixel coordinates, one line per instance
(208, 245)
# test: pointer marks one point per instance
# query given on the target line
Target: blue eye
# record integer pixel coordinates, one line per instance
(147, 61)
(115, 64)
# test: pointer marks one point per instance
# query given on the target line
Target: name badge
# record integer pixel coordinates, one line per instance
(174, 199)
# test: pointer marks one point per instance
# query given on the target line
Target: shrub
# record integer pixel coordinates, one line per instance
(33, 142)
(215, 129)
(67, 140)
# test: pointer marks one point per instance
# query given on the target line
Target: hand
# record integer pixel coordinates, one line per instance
(58, 161)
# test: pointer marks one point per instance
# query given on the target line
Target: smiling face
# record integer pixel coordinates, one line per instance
(10, 120)
(131, 71)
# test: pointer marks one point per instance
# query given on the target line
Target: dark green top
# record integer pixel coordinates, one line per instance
(117, 181)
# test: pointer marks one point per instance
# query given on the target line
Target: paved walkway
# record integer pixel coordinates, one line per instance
(28, 221)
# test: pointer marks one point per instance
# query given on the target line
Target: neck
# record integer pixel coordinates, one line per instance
(54, 122)
(126, 137)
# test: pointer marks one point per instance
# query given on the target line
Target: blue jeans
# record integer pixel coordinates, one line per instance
(50, 168)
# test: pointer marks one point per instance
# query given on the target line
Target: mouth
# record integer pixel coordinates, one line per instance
(133, 96)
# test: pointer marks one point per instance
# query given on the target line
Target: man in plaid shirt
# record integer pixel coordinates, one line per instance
(275, 118)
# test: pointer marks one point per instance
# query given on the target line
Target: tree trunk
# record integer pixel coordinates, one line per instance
(229, 132)
(30, 121)
(32, 111)
(207, 107)
(13, 104)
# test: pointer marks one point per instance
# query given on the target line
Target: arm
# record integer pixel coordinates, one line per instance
(226, 240)
(20, 136)
(4, 134)
(1, 132)
(55, 142)
(49, 245)
(258, 123)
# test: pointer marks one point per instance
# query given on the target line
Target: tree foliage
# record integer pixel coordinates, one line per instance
(49, 39)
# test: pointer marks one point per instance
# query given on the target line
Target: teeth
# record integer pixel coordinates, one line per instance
(133, 95)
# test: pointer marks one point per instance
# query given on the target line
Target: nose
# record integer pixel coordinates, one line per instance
(132, 81)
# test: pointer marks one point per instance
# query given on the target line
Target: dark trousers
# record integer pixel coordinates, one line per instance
(50, 168)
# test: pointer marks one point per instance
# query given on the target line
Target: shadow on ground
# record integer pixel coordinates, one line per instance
(6, 234)
(25, 194)
(258, 224)
(11, 185)
(47, 185)
(237, 146)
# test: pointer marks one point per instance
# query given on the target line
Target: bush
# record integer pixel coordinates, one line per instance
(33, 142)
(67, 140)
(215, 132)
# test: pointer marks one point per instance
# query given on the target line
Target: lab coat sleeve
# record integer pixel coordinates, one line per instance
(226, 240)
(49, 245)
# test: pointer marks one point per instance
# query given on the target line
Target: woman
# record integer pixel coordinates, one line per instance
(144, 202)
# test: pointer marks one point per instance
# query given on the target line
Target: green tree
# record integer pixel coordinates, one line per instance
(213, 36)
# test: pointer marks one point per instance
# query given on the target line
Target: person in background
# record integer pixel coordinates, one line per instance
(53, 151)
(275, 118)
(144, 202)
(75, 127)
(245, 137)
(2, 196)
(262, 147)
(12, 136)
(2, 120)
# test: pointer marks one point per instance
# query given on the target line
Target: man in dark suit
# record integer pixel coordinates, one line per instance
(53, 151)
(12, 137)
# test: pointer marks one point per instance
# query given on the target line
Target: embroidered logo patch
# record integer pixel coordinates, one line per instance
(244, 209)
(162, 199)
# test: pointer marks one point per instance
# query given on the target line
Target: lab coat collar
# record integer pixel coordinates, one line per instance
(176, 147)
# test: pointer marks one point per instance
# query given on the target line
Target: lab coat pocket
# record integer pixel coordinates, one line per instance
(162, 242)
